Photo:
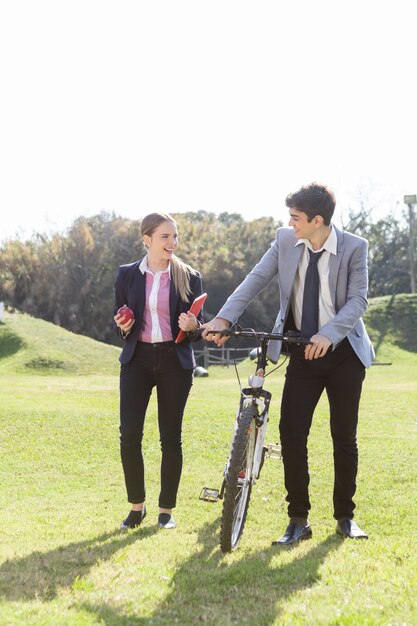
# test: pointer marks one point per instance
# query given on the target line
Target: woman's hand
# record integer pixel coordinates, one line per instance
(188, 322)
(126, 328)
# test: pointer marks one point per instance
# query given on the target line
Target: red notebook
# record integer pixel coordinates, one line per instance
(195, 309)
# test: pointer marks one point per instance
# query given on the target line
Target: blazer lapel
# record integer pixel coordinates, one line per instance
(335, 260)
(140, 290)
(173, 300)
(290, 261)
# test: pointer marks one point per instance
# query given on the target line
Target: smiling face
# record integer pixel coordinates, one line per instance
(315, 231)
(303, 229)
(162, 243)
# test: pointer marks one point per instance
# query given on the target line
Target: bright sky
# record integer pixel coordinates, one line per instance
(135, 106)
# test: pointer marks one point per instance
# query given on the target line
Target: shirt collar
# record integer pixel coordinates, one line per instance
(330, 244)
(143, 267)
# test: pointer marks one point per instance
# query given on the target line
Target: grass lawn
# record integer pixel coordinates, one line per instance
(63, 560)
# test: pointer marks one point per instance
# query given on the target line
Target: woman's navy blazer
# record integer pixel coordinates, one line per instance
(130, 289)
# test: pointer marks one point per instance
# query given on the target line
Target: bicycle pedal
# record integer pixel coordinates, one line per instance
(209, 495)
(273, 451)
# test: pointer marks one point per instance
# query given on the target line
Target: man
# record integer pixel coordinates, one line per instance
(322, 277)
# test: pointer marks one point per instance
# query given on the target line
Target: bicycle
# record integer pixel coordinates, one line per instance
(247, 451)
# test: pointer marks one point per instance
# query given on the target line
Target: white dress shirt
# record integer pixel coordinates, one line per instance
(326, 308)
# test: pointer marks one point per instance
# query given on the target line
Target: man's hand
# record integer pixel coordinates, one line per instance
(317, 348)
(217, 323)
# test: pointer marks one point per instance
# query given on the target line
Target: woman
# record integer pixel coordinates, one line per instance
(159, 290)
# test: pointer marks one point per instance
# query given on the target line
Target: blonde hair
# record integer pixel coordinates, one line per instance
(180, 271)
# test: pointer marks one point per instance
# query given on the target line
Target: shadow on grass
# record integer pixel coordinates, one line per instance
(252, 590)
(40, 574)
(10, 343)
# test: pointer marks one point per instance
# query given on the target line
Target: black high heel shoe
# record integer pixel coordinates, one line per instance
(134, 519)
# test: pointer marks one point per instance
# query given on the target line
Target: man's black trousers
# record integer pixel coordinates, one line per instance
(341, 374)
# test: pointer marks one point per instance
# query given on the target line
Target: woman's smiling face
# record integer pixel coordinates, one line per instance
(163, 241)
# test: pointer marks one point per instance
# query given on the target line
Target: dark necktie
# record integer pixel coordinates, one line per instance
(310, 313)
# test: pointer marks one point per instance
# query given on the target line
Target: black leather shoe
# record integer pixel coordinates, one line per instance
(348, 528)
(293, 534)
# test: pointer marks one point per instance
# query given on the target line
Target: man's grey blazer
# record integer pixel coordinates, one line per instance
(348, 277)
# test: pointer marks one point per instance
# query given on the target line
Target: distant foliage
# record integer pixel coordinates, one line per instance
(224, 249)
(69, 278)
(389, 264)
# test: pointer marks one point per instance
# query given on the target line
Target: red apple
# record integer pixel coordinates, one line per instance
(127, 314)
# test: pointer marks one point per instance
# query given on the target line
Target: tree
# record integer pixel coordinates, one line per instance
(68, 278)
(224, 249)
(388, 252)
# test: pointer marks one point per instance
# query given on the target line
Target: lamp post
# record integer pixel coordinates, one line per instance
(411, 201)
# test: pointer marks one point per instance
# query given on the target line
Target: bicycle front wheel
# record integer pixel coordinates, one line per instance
(238, 480)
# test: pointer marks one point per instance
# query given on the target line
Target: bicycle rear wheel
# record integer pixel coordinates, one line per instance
(238, 480)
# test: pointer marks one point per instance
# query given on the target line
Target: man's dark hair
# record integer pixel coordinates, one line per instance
(313, 199)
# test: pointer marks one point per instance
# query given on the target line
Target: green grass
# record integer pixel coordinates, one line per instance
(64, 561)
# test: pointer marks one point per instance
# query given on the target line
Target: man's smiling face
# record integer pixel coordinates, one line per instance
(303, 229)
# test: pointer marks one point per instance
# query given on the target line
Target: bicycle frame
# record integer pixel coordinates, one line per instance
(247, 452)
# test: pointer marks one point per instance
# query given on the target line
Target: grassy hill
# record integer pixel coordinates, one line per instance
(31, 345)
(392, 323)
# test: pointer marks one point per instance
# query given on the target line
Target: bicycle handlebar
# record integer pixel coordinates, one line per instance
(288, 337)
